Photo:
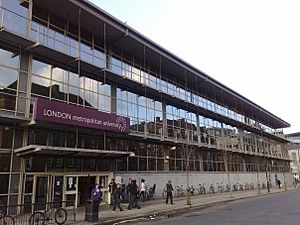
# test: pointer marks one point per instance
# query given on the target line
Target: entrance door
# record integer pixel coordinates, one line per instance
(85, 186)
(41, 192)
(58, 190)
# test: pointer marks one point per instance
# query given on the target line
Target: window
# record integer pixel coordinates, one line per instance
(294, 156)
(4, 183)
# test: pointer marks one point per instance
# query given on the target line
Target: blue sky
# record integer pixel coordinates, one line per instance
(252, 46)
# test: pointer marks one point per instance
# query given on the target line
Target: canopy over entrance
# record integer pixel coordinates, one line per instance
(64, 152)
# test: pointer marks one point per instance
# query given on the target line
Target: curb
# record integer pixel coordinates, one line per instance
(181, 211)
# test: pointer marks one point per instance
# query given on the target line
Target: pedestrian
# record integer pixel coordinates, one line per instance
(112, 186)
(117, 195)
(170, 190)
(127, 188)
(96, 194)
(133, 200)
(279, 183)
(143, 190)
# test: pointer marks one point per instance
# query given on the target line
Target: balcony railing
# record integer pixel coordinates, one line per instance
(61, 40)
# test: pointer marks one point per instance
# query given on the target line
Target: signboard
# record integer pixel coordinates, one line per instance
(62, 113)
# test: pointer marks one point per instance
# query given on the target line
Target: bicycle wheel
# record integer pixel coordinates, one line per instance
(8, 220)
(37, 218)
(60, 216)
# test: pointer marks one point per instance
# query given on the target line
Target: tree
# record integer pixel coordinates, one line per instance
(187, 151)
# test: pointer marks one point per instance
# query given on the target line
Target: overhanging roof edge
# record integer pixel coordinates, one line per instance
(113, 21)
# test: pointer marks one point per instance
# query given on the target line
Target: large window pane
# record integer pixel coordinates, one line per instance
(40, 86)
(8, 60)
(41, 69)
(4, 183)
(8, 78)
(6, 137)
(5, 162)
(14, 188)
(133, 164)
(14, 6)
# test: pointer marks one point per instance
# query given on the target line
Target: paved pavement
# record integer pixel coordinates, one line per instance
(158, 207)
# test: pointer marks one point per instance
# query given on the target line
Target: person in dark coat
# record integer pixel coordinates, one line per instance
(279, 183)
(133, 200)
(170, 190)
(112, 186)
(117, 195)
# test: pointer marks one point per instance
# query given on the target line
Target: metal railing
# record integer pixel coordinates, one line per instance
(22, 214)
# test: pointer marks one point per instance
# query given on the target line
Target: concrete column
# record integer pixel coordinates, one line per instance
(23, 102)
(165, 124)
(201, 162)
(108, 59)
(244, 165)
(198, 129)
(113, 90)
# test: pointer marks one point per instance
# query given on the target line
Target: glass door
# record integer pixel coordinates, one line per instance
(28, 193)
(58, 190)
(71, 190)
(41, 192)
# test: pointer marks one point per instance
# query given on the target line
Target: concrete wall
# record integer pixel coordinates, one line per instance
(208, 178)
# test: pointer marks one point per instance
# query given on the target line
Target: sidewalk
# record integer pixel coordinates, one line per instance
(158, 207)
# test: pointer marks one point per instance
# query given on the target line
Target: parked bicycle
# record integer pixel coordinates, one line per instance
(59, 215)
(179, 191)
(164, 192)
(202, 189)
(6, 219)
(150, 192)
(212, 189)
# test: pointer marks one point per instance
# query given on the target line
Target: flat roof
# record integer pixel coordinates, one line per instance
(122, 36)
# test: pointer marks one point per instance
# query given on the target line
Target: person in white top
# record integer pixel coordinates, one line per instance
(143, 189)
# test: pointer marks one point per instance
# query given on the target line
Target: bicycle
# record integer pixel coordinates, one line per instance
(6, 219)
(150, 192)
(202, 189)
(179, 191)
(59, 215)
(164, 193)
(212, 189)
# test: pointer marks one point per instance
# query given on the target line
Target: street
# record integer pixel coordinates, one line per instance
(279, 209)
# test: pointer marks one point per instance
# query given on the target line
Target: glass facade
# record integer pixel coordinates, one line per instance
(155, 123)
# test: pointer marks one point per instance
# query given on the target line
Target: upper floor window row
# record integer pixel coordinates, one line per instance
(66, 42)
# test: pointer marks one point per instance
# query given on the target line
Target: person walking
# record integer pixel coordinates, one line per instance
(279, 183)
(143, 190)
(112, 186)
(133, 200)
(127, 189)
(170, 190)
(117, 195)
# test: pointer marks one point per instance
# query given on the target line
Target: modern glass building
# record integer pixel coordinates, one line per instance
(84, 97)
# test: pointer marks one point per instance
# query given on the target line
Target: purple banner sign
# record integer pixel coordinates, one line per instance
(58, 112)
